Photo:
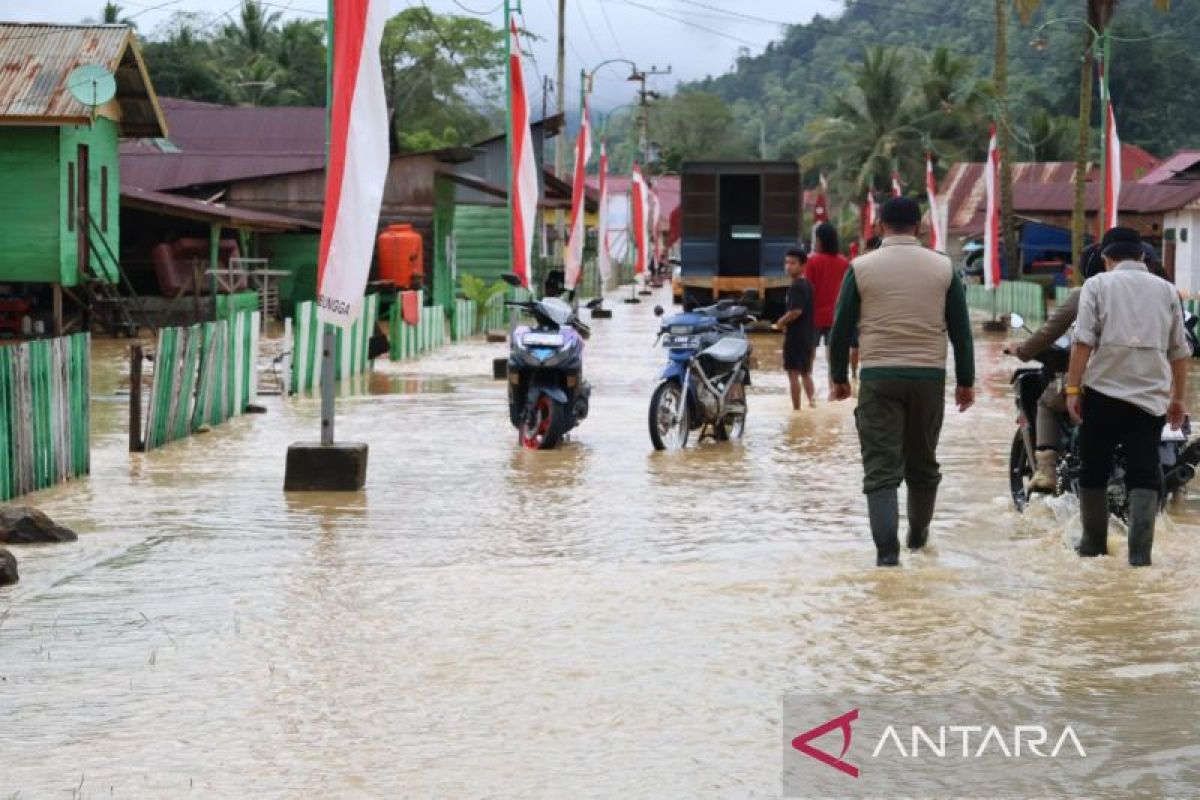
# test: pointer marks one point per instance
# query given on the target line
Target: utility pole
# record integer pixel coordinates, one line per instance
(560, 143)
(644, 98)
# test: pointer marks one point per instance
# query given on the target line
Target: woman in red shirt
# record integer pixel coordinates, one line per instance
(826, 272)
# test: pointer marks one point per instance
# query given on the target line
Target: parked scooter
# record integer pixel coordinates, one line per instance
(547, 393)
(703, 387)
(1177, 456)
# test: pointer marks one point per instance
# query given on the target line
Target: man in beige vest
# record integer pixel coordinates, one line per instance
(905, 300)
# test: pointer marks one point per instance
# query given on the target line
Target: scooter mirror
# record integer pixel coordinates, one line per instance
(512, 279)
(1016, 321)
(658, 311)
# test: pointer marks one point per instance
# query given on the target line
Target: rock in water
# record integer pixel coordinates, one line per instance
(27, 525)
(8, 567)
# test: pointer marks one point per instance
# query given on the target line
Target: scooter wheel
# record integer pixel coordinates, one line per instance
(542, 426)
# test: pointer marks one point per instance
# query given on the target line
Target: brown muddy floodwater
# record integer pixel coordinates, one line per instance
(599, 621)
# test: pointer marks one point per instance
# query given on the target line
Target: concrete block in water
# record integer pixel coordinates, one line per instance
(496, 335)
(314, 467)
(500, 369)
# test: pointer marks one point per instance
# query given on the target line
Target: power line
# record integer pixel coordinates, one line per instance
(490, 11)
(698, 26)
(611, 31)
(588, 26)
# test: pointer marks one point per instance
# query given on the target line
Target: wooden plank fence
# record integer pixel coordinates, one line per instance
(46, 430)
(204, 374)
(1023, 297)
(351, 350)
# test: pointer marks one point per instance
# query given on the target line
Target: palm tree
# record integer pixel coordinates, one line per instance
(257, 31)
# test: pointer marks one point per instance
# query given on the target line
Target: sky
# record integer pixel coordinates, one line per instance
(694, 37)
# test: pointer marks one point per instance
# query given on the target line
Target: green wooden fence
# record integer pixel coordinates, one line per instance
(352, 348)
(1022, 297)
(429, 333)
(46, 430)
(203, 375)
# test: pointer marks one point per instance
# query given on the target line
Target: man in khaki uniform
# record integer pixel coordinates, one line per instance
(905, 300)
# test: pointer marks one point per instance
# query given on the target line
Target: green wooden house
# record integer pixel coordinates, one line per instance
(59, 167)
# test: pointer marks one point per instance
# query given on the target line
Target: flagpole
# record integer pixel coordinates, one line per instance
(328, 336)
(1105, 55)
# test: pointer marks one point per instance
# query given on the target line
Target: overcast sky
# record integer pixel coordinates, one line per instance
(695, 37)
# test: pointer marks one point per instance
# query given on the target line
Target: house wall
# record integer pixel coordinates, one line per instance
(1180, 229)
(31, 212)
(104, 198)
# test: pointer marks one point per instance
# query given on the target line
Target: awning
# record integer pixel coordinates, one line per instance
(174, 205)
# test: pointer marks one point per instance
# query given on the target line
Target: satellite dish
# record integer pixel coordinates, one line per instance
(92, 85)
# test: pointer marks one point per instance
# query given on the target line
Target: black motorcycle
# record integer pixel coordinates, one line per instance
(547, 393)
(1177, 457)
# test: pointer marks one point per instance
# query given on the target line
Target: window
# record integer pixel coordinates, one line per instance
(1169, 235)
(70, 195)
(104, 199)
(1183, 234)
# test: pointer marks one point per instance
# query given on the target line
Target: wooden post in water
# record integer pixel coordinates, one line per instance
(136, 445)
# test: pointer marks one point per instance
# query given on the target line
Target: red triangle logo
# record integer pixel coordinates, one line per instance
(842, 723)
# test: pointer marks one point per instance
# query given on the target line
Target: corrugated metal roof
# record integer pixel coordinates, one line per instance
(212, 143)
(212, 212)
(965, 191)
(1169, 169)
(1136, 198)
(36, 60)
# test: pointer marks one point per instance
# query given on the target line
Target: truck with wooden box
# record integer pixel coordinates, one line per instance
(739, 218)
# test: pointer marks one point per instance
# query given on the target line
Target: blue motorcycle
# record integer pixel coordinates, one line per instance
(703, 387)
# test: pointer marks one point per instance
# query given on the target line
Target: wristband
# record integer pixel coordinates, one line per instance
(1074, 391)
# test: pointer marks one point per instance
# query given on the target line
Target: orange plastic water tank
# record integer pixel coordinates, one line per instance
(401, 257)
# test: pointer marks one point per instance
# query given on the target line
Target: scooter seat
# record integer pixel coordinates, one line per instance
(729, 350)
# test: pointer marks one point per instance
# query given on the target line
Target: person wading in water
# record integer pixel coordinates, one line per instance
(799, 338)
(905, 300)
(1128, 377)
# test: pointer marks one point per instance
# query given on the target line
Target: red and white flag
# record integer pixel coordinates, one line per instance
(937, 237)
(357, 162)
(523, 169)
(583, 154)
(639, 200)
(1112, 161)
(991, 223)
(603, 256)
(897, 187)
(869, 216)
(821, 206)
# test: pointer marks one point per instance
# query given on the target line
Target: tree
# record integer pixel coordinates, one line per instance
(1050, 137)
(442, 77)
(1008, 228)
(694, 126)
(899, 108)
(110, 14)
(184, 63)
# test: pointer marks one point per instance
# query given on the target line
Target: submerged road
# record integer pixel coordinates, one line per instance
(598, 621)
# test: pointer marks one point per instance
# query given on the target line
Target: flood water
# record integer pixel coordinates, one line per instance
(598, 621)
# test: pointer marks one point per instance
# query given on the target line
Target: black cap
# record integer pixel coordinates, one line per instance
(1121, 243)
(900, 212)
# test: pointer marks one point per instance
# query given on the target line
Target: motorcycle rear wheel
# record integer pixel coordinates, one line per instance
(668, 417)
(542, 425)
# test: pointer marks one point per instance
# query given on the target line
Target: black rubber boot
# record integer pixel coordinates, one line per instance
(883, 507)
(921, 502)
(1093, 513)
(1143, 508)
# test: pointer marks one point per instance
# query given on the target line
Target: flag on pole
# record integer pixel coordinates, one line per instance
(523, 169)
(937, 236)
(897, 187)
(655, 219)
(821, 207)
(1112, 161)
(357, 162)
(991, 224)
(869, 216)
(583, 154)
(638, 199)
(603, 256)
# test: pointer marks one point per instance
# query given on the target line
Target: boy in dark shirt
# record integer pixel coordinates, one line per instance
(799, 338)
